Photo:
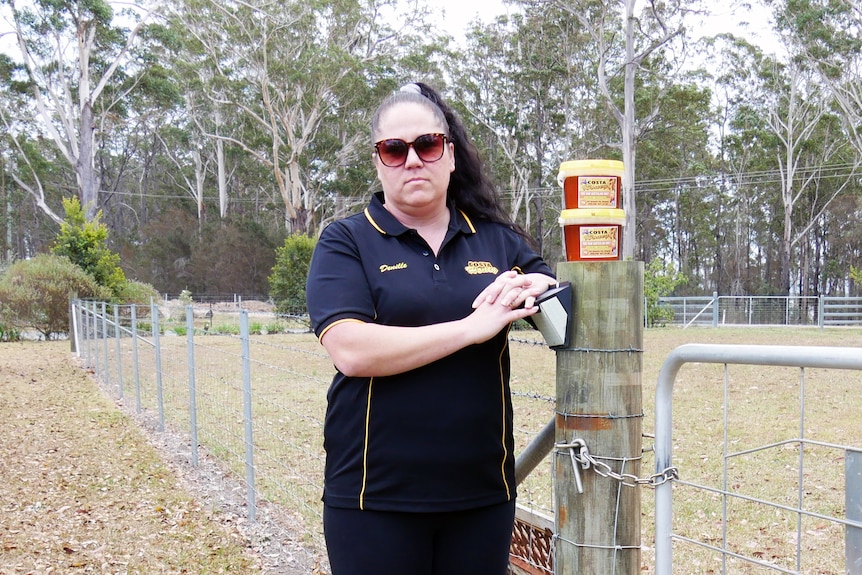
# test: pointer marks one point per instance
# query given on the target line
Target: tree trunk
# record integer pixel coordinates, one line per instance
(88, 181)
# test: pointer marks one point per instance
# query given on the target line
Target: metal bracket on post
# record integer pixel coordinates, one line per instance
(580, 445)
(555, 315)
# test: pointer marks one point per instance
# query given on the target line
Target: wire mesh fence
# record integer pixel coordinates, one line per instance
(250, 388)
(798, 311)
(253, 396)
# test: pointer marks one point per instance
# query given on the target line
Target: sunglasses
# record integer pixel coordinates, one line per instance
(393, 152)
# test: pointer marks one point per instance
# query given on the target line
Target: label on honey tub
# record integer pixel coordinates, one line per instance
(598, 191)
(599, 242)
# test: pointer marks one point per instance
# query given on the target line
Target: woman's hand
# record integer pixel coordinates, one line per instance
(511, 289)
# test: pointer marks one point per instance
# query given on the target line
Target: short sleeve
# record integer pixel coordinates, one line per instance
(337, 287)
(524, 259)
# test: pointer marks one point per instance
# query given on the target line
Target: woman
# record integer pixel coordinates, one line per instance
(412, 299)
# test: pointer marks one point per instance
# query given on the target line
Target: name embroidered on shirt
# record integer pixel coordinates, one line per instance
(399, 266)
(476, 268)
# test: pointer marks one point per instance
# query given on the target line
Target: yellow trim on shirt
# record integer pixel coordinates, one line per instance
(469, 223)
(503, 412)
(335, 323)
(372, 222)
(365, 447)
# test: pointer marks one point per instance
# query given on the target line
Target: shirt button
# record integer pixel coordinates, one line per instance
(426, 253)
(437, 267)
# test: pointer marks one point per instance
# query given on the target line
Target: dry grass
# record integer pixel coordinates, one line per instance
(290, 376)
(81, 489)
(764, 408)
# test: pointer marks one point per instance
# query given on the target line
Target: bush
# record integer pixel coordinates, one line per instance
(35, 293)
(84, 243)
(139, 293)
(287, 281)
(660, 280)
(9, 333)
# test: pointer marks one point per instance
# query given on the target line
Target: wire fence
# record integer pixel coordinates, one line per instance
(250, 388)
(800, 311)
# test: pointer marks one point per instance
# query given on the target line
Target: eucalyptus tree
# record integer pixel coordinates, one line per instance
(72, 51)
(680, 204)
(805, 145)
(827, 36)
(290, 83)
(786, 141)
(30, 181)
(739, 127)
(522, 83)
(625, 34)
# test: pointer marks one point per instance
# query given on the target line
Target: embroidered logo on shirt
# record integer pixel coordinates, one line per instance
(387, 268)
(476, 268)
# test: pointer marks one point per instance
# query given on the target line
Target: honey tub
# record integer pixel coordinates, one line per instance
(591, 184)
(593, 234)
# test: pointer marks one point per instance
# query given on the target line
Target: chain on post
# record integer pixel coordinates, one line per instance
(580, 454)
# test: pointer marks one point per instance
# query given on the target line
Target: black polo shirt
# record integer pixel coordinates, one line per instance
(439, 437)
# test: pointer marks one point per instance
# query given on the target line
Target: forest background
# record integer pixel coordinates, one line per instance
(207, 132)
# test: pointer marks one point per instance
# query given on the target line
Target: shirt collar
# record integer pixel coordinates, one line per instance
(386, 224)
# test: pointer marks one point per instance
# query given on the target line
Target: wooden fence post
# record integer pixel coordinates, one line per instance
(599, 406)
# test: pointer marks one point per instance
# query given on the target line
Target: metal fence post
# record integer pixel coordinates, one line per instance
(91, 340)
(820, 312)
(118, 336)
(853, 505)
(73, 328)
(92, 345)
(106, 378)
(246, 403)
(599, 421)
(137, 370)
(715, 309)
(158, 352)
(193, 407)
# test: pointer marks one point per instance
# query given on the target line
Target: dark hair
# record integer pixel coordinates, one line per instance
(469, 187)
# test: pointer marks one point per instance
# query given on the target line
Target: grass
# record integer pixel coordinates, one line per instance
(81, 489)
(290, 375)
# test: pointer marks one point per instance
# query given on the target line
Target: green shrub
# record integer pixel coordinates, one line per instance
(138, 293)
(287, 281)
(35, 293)
(83, 243)
(8, 333)
(660, 280)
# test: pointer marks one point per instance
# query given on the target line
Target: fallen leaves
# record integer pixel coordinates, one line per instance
(82, 489)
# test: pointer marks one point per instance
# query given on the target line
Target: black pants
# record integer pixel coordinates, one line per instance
(474, 542)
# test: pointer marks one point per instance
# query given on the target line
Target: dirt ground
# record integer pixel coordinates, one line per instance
(86, 488)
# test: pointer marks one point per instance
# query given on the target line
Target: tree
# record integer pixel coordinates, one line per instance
(827, 36)
(83, 243)
(66, 85)
(298, 80)
(645, 35)
(512, 86)
(289, 274)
